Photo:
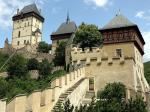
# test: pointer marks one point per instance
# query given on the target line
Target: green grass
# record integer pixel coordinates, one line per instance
(147, 71)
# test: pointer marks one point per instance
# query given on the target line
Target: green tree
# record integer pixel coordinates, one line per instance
(33, 64)
(3, 88)
(43, 47)
(136, 105)
(147, 71)
(88, 36)
(17, 66)
(60, 54)
(113, 91)
(68, 107)
(45, 68)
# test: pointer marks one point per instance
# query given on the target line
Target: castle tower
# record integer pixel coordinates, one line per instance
(119, 60)
(63, 33)
(27, 26)
(123, 39)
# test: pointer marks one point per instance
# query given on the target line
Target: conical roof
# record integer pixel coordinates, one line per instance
(30, 8)
(66, 27)
(118, 21)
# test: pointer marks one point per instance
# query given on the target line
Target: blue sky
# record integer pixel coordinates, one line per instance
(98, 12)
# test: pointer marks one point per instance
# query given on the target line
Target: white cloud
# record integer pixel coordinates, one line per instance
(55, 10)
(8, 9)
(143, 15)
(97, 3)
(140, 14)
(146, 36)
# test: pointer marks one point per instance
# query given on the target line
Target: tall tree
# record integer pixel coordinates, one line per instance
(17, 66)
(88, 36)
(60, 54)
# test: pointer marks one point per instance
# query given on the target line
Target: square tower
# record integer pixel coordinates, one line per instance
(123, 39)
(27, 27)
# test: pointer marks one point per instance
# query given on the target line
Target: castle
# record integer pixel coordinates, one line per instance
(120, 59)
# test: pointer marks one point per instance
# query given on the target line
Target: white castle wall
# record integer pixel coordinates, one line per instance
(107, 69)
(44, 101)
(2, 106)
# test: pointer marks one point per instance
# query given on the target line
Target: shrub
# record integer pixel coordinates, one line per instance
(33, 64)
(45, 68)
(113, 91)
(44, 47)
(17, 66)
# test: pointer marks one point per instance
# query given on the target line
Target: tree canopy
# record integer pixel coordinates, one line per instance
(147, 71)
(111, 99)
(43, 47)
(17, 66)
(60, 54)
(45, 68)
(33, 64)
(88, 36)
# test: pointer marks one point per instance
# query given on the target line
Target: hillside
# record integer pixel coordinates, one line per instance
(147, 71)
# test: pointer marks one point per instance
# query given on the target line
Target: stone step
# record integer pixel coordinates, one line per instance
(64, 96)
(90, 94)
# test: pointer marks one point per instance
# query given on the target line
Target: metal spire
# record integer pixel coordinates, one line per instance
(68, 18)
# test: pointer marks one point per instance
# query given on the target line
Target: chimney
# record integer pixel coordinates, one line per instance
(17, 11)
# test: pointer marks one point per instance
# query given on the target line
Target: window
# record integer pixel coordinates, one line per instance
(18, 43)
(119, 52)
(28, 23)
(24, 41)
(25, 24)
(19, 34)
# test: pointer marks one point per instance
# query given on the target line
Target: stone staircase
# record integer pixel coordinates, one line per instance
(88, 97)
(63, 97)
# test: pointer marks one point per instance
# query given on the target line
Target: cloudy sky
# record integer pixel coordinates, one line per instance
(98, 12)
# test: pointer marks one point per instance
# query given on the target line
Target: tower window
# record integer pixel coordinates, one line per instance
(24, 41)
(19, 34)
(119, 52)
(18, 43)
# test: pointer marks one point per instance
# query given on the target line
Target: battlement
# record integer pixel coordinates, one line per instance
(43, 100)
(97, 55)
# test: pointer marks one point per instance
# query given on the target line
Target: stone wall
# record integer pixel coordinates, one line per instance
(57, 68)
(34, 74)
(4, 74)
(106, 68)
(2, 106)
(77, 96)
(45, 100)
